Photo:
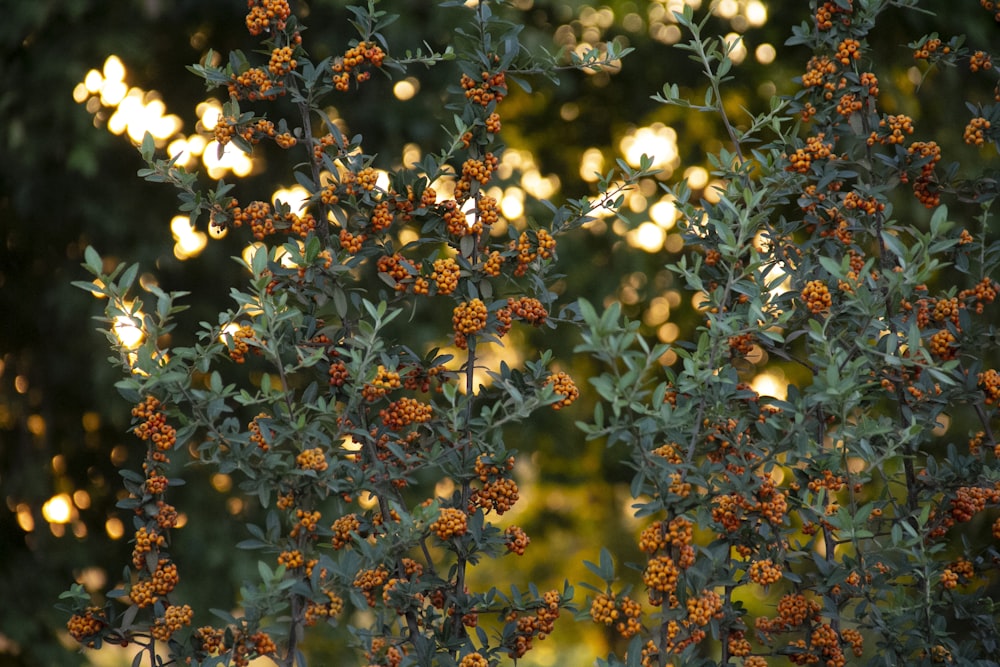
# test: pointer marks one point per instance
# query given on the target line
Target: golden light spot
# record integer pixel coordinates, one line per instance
(91, 421)
(229, 330)
(512, 203)
(665, 33)
(234, 505)
(139, 112)
(538, 186)
(674, 243)
(186, 150)
(699, 301)
(129, 334)
(411, 155)
(771, 383)
(92, 578)
(591, 165)
(93, 82)
(58, 464)
(648, 236)
(250, 250)
(119, 455)
(112, 93)
(444, 488)
(737, 47)
(668, 332)
(222, 482)
(636, 202)
(408, 235)
(664, 213)
(657, 141)
(81, 499)
(148, 281)
(941, 425)
(603, 210)
(209, 112)
(217, 232)
(367, 500)
(405, 90)
(777, 280)
(727, 9)
(36, 425)
(58, 509)
(713, 191)
(189, 242)
(21, 384)
(756, 13)
(657, 313)
(696, 177)
(569, 111)
(182, 520)
(232, 159)
(25, 519)
(114, 69)
(114, 528)
(296, 197)
(633, 22)
(765, 54)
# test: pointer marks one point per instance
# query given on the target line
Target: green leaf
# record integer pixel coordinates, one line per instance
(148, 147)
(92, 260)
(128, 278)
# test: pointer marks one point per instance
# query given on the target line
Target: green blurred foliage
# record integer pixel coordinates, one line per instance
(65, 182)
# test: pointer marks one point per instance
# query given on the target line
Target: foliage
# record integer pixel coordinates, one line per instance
(379, 459)
(841, 498)
(842, 522)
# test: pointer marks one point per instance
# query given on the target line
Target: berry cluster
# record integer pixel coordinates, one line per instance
(516, 539)
(451, 522)
(815, 149)
(469, 317)
(816, 296)
(829, 11)
(620, 612)
(352, 65)
(312, 459)
(491, 88)
(540, 625)
(267, 15)
(404, 412)
(83, 627)
(563, 385)
(975, 131)
(764, 572)
(174, 618)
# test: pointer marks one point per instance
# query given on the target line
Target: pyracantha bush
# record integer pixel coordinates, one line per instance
(379, 459)
(843, 256)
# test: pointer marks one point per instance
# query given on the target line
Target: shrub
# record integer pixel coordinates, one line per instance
(379, 458)
(847, 502)
(839, 520)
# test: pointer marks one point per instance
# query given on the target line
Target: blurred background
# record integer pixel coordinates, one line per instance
(82, 80)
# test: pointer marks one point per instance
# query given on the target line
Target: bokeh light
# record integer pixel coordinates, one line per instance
(129, 334)
(657, 141)
(58, 509)
(188, 242)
